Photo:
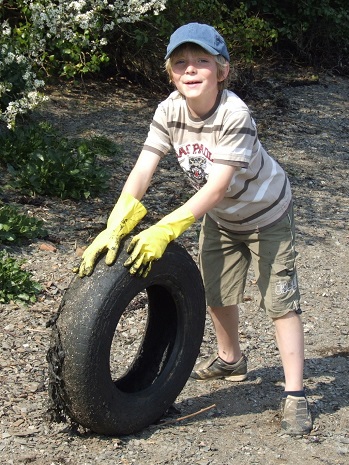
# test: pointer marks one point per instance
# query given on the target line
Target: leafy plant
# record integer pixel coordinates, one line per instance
(15, 226)
(43, 162)
(69, 173)
(15, 283)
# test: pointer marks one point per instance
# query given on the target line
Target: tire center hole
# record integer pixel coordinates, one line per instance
(129, 335)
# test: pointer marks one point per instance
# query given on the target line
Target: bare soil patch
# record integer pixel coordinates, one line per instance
(305, 127)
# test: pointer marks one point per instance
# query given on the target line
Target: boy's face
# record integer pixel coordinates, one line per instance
(194, 73)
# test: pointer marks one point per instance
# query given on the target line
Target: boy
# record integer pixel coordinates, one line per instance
(245, 199)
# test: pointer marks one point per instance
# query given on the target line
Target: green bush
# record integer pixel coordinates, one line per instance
(315, 30)
(138, 50)
(14, 226)
(15, 283)
(43, 162)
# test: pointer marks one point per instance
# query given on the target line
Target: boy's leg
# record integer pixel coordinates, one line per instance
(229, 363)
(273, 256)
(224, 263)
(226, 323)
(290, 341)
(296, 416)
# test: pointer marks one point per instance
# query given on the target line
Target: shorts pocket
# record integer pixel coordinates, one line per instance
(284, 290)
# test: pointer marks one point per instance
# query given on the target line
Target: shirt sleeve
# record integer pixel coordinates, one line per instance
(158, 138)
(237, 139)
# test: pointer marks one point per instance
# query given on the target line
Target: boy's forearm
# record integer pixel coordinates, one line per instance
(136, 186)
(141, 175)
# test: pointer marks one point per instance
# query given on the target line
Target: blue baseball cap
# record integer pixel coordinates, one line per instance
(201, 34)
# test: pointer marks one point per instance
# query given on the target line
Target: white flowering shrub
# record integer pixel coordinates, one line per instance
(40, 37)
(18, 82)
(76, 33)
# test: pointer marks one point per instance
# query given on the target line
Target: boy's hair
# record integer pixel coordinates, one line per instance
(222, 63)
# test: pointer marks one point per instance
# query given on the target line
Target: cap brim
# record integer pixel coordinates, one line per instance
(208, 49)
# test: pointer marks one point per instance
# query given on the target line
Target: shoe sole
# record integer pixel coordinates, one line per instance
(295, 432)
(233, 378)
(236, 377)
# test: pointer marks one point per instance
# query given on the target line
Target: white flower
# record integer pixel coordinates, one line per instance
(26, 76)
(6, 30)
(38, 83)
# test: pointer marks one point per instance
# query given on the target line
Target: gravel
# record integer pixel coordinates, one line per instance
(304, 123)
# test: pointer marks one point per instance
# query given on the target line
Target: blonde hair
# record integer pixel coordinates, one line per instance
(222, 63)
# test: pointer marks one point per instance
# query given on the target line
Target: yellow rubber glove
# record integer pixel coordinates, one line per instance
(151, 243)
(126, 214)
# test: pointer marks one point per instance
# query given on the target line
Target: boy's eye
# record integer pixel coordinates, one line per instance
(184, 62)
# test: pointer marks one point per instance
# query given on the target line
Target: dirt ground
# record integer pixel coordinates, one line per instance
(304, 124)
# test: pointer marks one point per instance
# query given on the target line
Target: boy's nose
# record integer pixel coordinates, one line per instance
(190, 69)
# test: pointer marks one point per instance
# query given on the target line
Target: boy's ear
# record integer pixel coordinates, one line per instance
(225, 74)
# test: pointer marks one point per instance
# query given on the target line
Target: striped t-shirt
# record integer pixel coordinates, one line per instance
(259, 193)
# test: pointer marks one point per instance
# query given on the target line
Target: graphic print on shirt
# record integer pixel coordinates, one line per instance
(196, 160)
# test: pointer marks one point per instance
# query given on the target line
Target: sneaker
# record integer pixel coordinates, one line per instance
(215, 367)
(296, 417)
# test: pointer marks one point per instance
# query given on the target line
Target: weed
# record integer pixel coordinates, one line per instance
(15, 283)
(14, 226)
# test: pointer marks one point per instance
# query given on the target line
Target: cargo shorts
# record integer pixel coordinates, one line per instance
(225, 258)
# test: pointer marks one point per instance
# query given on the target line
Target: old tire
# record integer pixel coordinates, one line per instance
(82, 385)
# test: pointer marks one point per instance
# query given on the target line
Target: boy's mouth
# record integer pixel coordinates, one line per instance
(190, 83)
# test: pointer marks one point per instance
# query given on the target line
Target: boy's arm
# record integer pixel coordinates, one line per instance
(141, 175)
(213, 191)
(150, 244)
